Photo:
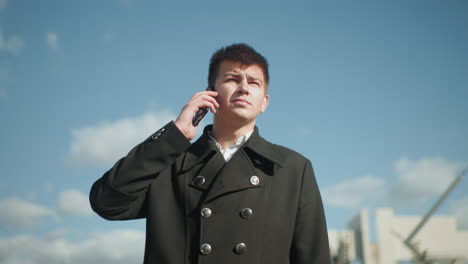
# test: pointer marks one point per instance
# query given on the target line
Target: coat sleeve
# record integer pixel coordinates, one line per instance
(120, 193)
(310, 241)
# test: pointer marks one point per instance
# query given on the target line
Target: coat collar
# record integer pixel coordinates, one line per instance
(263, 148)
(204, 148)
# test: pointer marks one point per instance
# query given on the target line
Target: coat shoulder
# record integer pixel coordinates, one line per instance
(287, 156)
(286, 152)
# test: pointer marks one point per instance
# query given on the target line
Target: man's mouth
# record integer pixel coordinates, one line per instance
(241, 101)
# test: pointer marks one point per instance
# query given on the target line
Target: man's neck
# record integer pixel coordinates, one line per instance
(227, 133)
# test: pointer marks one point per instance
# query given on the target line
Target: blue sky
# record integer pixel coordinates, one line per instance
(374, 93)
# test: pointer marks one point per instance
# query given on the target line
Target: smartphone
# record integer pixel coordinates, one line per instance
(201, 112)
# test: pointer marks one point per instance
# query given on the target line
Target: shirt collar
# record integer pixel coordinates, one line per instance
(204, 147)
(241, 140)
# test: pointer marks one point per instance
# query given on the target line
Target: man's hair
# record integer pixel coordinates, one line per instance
(241, 53)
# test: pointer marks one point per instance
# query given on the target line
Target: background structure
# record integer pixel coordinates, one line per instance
(438, 242)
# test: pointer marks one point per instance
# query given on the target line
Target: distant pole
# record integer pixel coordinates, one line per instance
(435, 207)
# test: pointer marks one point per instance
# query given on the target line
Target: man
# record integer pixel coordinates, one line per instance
(230, 197)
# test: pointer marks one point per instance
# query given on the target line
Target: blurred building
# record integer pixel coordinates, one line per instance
(439, 239)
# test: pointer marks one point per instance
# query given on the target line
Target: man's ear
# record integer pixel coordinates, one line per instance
(265, 103)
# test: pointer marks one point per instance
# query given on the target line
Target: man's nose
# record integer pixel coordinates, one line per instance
(244, 86)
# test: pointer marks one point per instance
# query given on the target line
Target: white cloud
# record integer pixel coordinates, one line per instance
(105, 143)
(123, 246)
(52, 40)
(421, 179)
(57, 234)
(73, 203)
(353, 192)
(18, 213)
(12, 45)
(460, 210)
(417, 181)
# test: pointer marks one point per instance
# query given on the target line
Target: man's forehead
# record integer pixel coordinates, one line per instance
(229, 67)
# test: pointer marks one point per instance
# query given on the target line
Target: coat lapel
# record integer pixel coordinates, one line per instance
(247, 169)
(264, 150)
(200, 152)
(205, 177)
(237, 175)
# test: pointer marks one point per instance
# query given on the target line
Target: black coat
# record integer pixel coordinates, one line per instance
(262, 207)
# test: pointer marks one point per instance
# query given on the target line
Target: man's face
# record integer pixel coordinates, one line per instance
(241, 91)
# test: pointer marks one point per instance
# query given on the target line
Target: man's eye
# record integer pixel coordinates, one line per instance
(255, 83)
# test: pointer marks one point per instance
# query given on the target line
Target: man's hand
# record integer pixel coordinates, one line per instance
(198, 100)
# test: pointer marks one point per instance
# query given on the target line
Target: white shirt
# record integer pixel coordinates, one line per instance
(229, 152)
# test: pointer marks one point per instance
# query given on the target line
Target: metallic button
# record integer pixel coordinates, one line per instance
(199, 180)
(162, 129)
(246, 213)
(254, 180)
(157, 134)
(205, 212)
(205, 249)
(241, 248)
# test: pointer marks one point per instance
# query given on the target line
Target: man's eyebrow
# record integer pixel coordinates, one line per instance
(233, 74)
(239, 74)
(254, 78)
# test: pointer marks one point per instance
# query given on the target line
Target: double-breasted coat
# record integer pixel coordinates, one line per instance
(262, 207)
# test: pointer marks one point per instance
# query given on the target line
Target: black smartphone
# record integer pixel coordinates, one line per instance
(201, 112)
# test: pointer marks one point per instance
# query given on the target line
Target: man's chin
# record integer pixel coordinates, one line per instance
(245, 118)
(239, 115)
